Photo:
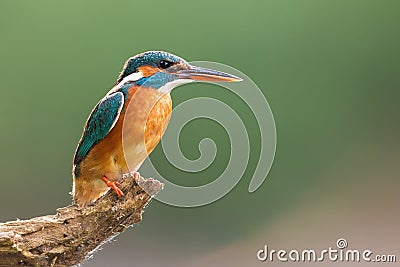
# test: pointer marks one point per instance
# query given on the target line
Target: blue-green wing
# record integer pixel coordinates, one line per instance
(99, 124)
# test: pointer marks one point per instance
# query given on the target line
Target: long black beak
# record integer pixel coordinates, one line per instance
(209, 75)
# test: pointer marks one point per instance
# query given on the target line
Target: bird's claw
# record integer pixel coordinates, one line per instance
(113, 185)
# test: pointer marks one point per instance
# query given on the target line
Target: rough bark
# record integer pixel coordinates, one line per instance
(73, 234)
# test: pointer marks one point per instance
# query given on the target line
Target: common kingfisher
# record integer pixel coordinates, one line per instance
(138, 109)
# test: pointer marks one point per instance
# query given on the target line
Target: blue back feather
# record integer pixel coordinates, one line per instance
(100, 123)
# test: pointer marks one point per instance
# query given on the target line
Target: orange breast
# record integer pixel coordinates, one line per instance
(145, 120)
(157, 122)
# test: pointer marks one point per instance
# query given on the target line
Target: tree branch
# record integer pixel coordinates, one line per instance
(70, 236)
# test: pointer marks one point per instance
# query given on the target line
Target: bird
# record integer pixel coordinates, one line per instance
(128, 122)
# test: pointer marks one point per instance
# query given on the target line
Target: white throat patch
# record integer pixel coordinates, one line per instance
(166, 88)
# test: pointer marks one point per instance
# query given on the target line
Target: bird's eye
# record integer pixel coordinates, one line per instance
(165, 64)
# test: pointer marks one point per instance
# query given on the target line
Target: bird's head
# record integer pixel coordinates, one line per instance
(164, 71)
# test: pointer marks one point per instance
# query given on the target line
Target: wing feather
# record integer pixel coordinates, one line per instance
(100, 122)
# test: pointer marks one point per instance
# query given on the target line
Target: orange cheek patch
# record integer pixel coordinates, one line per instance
(148, 70)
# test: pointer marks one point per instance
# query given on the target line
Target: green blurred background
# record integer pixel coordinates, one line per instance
(329, 69)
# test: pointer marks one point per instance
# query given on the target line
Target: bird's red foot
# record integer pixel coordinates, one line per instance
(113, 185)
